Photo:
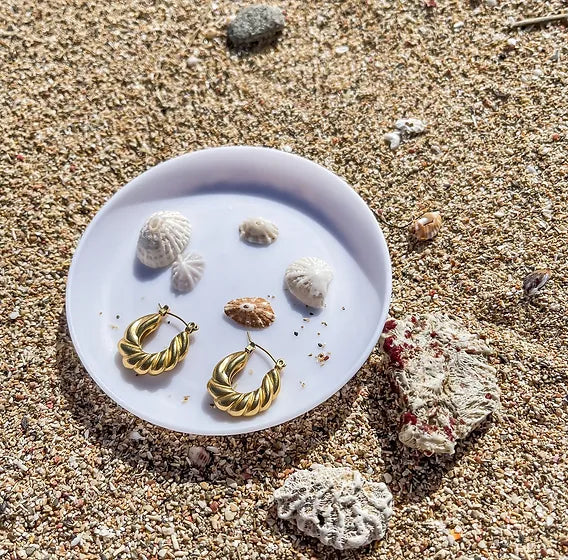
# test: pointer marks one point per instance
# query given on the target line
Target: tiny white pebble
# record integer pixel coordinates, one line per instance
(531, 169)
(135, 436)
(387, 478)
(491, 3)
(458, 25)
(286, 148)
(512, 42)
(14, 315)
(342, 49)
(76, 541)
(538, 73)
(193, 61)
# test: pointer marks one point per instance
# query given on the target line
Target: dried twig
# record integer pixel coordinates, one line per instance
(543, 19)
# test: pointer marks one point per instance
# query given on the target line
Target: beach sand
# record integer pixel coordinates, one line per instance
(91, 95)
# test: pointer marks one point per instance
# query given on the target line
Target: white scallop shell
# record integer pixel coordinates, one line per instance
(162, 238)
(187, 270)
(258, 231)
(308, 279)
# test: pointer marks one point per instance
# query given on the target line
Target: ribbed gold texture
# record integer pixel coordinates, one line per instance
(242, 404)
(133, 357)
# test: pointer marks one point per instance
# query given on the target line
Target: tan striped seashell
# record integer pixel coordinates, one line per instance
(254, 312)
(426, 227)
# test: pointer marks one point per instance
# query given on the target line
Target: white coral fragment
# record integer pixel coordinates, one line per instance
(404, 129)
(335, 505)
(444, 380)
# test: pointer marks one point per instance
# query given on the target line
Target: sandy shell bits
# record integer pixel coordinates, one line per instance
(187, 270)
(426, 227)
(258, 231)
(256, 312)
(308, 280)
(162, 238)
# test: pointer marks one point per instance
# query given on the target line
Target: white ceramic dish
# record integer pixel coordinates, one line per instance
(317, 214)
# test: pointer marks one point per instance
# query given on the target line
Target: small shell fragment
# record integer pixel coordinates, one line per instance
(404, 129)
(258, 231)
(426, 227)
(199, 457)
(393, 138)
(410, 126)
(535, 281)
(256, 312)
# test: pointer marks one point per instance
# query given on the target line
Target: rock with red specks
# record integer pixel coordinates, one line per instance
(445, 383)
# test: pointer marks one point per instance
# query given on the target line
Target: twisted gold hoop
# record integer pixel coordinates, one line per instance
(130, 345)
(243, 404)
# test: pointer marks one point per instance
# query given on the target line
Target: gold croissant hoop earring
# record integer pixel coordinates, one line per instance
(243, 404)
(130, 345)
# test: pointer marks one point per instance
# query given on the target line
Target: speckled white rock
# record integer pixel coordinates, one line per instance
(335, 505)
(443, 378)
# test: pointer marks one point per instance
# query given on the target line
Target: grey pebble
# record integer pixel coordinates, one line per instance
(255, 24)
(25, 423)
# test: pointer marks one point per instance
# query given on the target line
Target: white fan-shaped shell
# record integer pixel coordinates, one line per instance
(187, 270)
(162, 238)
(258, 231)
(308, 280)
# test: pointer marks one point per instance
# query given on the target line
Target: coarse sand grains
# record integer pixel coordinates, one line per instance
(94, 93)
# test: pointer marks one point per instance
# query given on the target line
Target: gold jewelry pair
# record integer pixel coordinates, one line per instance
(220, 385)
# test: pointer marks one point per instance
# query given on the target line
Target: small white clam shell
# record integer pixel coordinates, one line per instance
(258, 231)
(187, 270)
(308, 280)
(162, 238)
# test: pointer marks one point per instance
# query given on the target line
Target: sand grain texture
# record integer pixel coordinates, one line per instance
(91, 95)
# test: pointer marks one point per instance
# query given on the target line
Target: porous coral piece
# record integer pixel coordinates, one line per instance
(443, 378)
(335, 505)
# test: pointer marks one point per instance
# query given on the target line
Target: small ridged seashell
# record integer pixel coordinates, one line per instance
(199, 457)
(258, 231)
(250, 312)
(535, 281)
(426, 227)
(187, 270)
(162, 238)
(308, 280)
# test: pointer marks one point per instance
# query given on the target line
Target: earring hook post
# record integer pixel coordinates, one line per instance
(168, 312)
(261, 348)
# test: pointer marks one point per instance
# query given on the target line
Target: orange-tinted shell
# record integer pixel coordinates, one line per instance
(426, 227)
(250, 312)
